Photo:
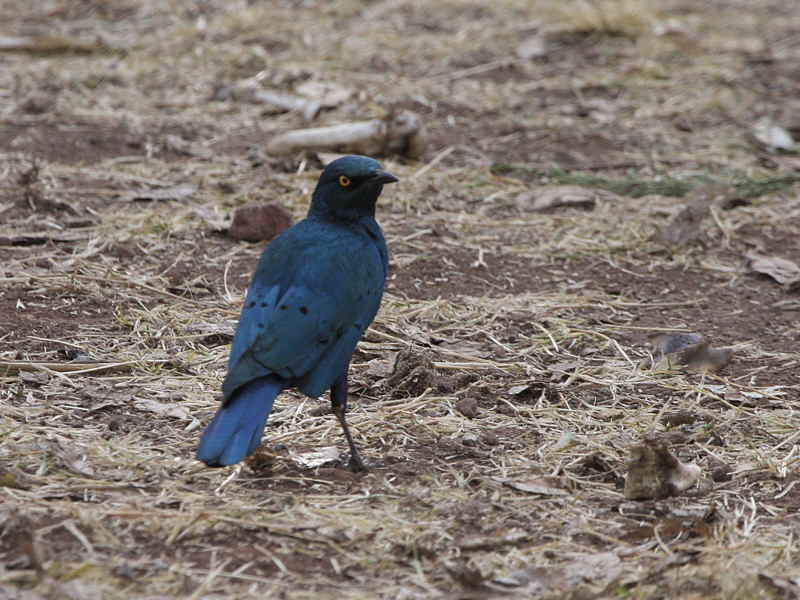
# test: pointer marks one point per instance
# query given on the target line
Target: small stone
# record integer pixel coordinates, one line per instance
(470, 439)
(506, 409)
(468, 407)
(259, 222)
(490, 438)
(720, 471)
(678, 418)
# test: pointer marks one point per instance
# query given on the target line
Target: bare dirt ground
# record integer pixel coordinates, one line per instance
(499, 446)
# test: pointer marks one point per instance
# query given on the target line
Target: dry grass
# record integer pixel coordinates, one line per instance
(523, 334)
(630, 18)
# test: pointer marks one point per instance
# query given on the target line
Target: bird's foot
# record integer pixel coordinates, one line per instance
(356, 464)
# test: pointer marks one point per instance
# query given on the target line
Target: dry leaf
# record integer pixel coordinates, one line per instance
(773, 136)
(213, 218)
(784, 271)
(317, 458)
(72, 457)
(176, 411)
(765, 397)
(654, 473)
(379, 368)
(541, 486)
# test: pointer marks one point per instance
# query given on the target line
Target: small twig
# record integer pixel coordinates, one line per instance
(434, 161)
(212, 575)
(233, 475)
(73, 529)
(75, 368)
(548, 334)
(277, 561)
(469, 71)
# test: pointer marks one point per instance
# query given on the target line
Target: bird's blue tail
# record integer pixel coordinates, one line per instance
(235, 431)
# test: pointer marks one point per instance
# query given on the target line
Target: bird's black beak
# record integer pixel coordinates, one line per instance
(383, 177)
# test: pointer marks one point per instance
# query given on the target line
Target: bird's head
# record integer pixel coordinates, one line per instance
(349, 188)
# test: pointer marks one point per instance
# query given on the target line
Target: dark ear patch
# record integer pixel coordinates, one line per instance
(304, 310)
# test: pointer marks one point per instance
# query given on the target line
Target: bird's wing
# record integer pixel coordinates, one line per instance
(258, 306)
(298, 307)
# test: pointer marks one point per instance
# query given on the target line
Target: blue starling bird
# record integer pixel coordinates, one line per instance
(315, 291)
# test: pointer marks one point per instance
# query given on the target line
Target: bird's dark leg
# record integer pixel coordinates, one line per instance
(339, 406)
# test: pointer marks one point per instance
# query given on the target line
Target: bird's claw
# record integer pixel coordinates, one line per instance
(356, 465)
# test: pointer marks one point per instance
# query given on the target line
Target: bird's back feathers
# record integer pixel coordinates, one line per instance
(290, 323)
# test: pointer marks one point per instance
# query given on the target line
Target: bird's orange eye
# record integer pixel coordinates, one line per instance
(344, 181)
